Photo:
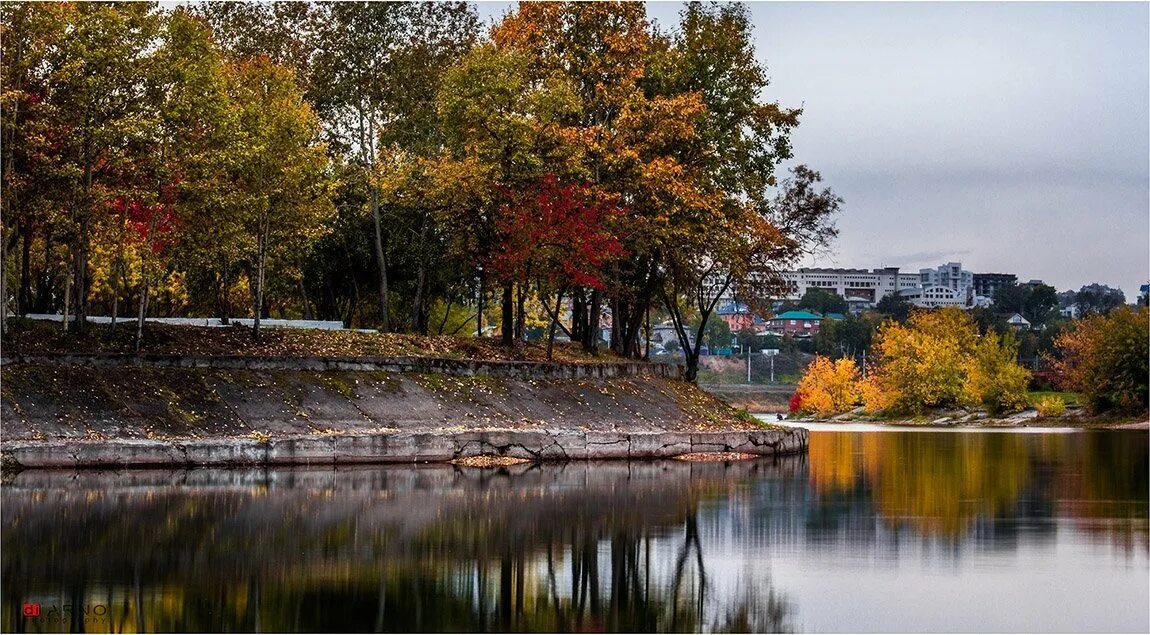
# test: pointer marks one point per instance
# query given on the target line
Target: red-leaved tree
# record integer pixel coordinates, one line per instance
(559, 236)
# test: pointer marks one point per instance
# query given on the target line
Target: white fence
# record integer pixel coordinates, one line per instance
(325, 325)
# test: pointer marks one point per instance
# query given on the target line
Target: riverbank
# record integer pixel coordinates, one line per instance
(87, 410)
(773, 400)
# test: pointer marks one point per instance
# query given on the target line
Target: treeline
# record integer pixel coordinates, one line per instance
(393, 166)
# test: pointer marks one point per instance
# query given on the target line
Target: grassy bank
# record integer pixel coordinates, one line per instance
(28, 336)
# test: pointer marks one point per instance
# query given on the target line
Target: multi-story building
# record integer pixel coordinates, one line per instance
(857, 286)
(951, 275)
(985, 284)
(935, 296)
(795, 323)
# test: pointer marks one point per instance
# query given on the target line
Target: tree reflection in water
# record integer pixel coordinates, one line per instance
(575, 547)
(944, 484)
(653, 546)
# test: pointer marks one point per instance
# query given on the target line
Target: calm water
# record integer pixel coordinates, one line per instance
(873, 531)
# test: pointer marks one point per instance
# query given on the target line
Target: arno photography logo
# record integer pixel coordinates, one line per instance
(64, 613)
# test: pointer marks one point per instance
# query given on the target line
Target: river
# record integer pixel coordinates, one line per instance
(872, 531)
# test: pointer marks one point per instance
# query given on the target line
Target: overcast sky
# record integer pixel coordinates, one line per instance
(1013, 137)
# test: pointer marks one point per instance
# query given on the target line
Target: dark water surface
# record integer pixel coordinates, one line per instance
(872, 531)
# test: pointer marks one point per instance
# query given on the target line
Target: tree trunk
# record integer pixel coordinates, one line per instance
(520, 313)
(263, 248)
(45, 284)
(4, 292)
(381, 257)
(507, 321)
(24, 301)
(81, 282)
(591, 338)
(617, 325)
(307, 312)
(143, 314)
(67, 295)
(446, 314)
(479, 302)
(554, 324)
(647, 349)
(577, 316)
(419, 312)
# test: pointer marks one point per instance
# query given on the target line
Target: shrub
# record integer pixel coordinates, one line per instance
(993, 378)
(796, 404)
(1105, 359)
(1051, 407)
(939, 360)
(828, 388)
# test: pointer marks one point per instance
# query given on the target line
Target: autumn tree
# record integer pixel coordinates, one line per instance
(1105, 358)
(279, 168)
(939, 360)
(743, 140)
(559, 236)
(377, 71)
(96, 75)
(601, 50)
(29, 171)
(503, 132)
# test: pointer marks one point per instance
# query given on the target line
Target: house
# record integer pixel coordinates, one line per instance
(795, 323)
(1017, 322)
(738, 316)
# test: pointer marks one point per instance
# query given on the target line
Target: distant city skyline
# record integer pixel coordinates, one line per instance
(1013, 137)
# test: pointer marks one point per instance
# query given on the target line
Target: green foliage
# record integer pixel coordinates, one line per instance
(822, 301)
(1037, 303)
(1098, 298)
(895, 307)
(716, 334)
(848, 337)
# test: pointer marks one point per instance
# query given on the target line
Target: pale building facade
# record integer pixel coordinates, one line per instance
(858, 285)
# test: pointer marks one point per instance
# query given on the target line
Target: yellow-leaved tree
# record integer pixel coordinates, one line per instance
(939, 360)
(828, 387)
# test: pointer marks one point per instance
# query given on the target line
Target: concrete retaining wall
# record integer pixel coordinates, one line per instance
(398, 364)
(403, 447)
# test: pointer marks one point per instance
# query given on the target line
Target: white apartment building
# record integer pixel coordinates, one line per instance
(947, 285)
(951, 275)
(934, 296)
(858, 285)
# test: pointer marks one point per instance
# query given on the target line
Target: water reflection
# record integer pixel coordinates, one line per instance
(947, 485)
(658, 546)
(573, 547)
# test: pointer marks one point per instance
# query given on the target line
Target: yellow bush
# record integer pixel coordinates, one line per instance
(939, 360)
(993, 378)
(875, 397)
(829, 388)
(1051, 407)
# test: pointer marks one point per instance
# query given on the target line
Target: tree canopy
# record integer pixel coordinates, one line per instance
(391, 165)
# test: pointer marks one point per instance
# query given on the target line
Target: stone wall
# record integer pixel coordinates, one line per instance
(536, 445)
(397, 364)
